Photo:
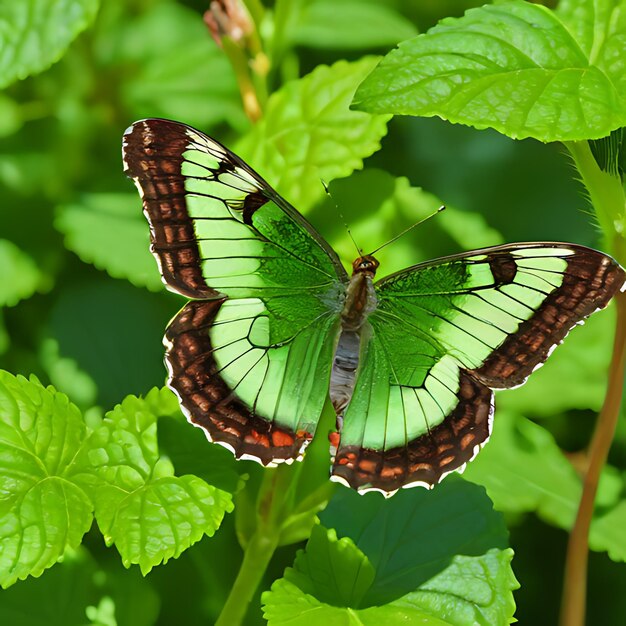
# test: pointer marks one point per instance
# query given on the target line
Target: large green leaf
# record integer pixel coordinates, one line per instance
(517, 67)
(110, 231)
(147, 512)
(309, 133)
(437, 558)
(36, 33)
(43, 511)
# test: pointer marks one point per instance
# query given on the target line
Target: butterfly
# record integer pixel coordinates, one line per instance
(275, 324)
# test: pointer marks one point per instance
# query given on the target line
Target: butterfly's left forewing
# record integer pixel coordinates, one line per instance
(443, 335)
(250, 358)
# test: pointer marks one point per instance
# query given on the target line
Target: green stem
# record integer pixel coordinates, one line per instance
(606, 193)
(274, 496)
(575, 582)
(257, 556)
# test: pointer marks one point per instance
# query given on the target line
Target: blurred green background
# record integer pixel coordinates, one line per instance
(83, 309)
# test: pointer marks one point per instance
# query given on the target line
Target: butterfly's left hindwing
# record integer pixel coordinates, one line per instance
(444, 334)
(250, 359)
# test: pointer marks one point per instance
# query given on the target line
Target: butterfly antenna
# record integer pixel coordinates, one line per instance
(406, 230)
(343, 219)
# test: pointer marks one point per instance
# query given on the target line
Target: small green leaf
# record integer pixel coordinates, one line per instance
(309, 134)
(148, 513)
(42, 510)
(350, 24)
(36, 33)
(417, 558)
(20, 276)
(110, 231)
(513, 66)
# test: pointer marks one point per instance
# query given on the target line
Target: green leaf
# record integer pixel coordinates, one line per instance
(523, 469)
(147, 512)
(568, 381)
(20, 276)
(36, 33)
(435, 558)
(512, 66)
(43, 511)
(110, 231)
(332, 569)
(350, 24)
(309, 134)
(197, 86)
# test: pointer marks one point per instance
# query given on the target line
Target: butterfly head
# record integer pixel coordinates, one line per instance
(365, 265)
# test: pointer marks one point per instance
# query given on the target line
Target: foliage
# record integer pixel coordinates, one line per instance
(297, 89)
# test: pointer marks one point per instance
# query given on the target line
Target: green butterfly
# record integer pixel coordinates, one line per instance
(275, 324)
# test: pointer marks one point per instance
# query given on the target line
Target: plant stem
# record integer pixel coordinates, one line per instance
(575, 583)
(256, 558)
(274, 494)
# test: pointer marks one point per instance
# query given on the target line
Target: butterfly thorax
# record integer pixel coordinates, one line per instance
(360, 295)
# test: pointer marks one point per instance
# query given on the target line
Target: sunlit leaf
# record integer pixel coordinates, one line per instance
(141, 507)
(42, 509)
(36, 33)
(309, 134)
(512, 66)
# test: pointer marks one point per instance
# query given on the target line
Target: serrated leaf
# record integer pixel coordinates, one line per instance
(350, 24)
(20, 275)
(42, 510)
(309, 134)
(514, 67)
(198, 86)
(438, 559)
(523, 469)
(36, 33)
(147, 512)
(110, 231)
